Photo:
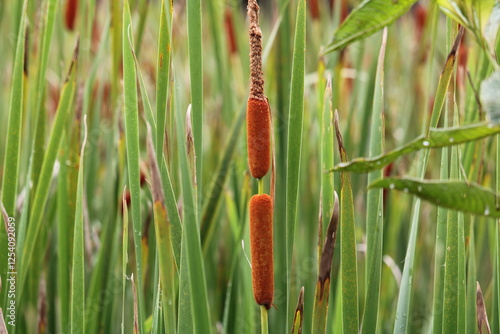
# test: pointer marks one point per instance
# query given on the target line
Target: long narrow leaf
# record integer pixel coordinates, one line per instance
(348, 258)
(196, 74)
(131, 115)
(457, 195)
(78, 263)
(42, 191)
(374, 202)
(191, 235)
(168, 191)
(163, 243)
(294, 148)
(452, 258)
(12, 152)
(437, 138)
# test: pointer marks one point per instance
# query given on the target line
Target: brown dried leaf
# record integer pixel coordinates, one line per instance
(482, 317)
(299, 313)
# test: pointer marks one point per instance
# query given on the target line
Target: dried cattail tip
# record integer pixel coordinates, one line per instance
(261, 246)
(256, 75)
(258, 136)
(70, 14)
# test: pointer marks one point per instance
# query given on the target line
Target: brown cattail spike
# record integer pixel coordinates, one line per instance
(261, 246)
(256, 75)
(258, 136)
(70, 15)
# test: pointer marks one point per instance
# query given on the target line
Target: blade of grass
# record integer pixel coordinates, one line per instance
(63, 241)
(131, 115)
(450, 297)
(439, 258)
(136, 306)
(168, 190)
(461, 323)
(471, 312)
(294, 147)
(162, 75)
(78, 262)
(124, 256)
(163, 243)
(196, 75)
(40, 118)
(191, 234)
(348, 257)
(374, 202)
(13, 145)
(454, 256)
(157, 314)
(282, 63)
(327, 143)
(42, 192)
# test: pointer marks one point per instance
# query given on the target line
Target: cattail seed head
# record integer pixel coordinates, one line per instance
(261, 246)
(70, 13)
(258, 136)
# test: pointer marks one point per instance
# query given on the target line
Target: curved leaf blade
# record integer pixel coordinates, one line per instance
(457, 195)
(437, 138)
(369, 17)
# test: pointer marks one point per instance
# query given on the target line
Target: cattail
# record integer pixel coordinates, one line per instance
(70, 13)
(258, 137)
(230, 33)
(261, 246)
(314, 8)
(420, 15)
(258, 112)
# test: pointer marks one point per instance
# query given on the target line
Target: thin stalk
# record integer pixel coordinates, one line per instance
(264, 320)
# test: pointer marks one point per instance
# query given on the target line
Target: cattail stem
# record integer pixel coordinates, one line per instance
(261, 186)
(264, 320)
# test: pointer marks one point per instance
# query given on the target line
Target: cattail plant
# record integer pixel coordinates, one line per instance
(259, 152)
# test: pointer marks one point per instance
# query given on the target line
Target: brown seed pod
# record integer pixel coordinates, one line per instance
(258, 136)
(261, 247)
